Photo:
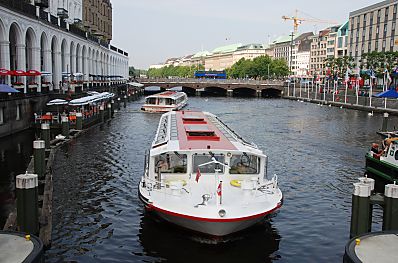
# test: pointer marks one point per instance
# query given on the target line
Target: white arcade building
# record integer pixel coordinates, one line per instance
(33, 39)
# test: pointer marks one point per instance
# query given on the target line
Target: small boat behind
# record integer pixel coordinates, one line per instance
(200, 175)
(165, 101)
(382, 163)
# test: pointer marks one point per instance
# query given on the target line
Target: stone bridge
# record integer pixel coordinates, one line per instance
(221, 87)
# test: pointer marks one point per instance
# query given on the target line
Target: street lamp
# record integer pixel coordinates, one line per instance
(291, 53)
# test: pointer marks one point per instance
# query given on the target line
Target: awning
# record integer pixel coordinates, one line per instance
(32, 73)
(17, 73)
(391, 93)
(4, 88)
(136, 84)
(91, 99)
(4, 72)
(45, 73)
(57, 102)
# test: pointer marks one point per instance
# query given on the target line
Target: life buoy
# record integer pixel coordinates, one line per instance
(169, 182)
(236, 183)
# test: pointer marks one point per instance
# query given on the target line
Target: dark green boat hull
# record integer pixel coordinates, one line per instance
(383, 173)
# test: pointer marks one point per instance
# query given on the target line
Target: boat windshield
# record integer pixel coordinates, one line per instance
(151, 101)
(205, 158)
(171, 163)
(165, 101)
(244, 164)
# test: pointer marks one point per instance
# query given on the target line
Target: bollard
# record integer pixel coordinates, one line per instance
(112, 108)
(39, 157)
(125, 101)
(102, 113)
(27, 203)
(65, 126)
(109, 110)
(390, 215)
(45, 134)
(79, 121)
(360, 211)
(371, 183)
(384, 126)
(118, 104)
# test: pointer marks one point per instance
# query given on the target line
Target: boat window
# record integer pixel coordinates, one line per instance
(244, 164)
(396, 155)
(171, 163)
(151, 101)
(205, 158)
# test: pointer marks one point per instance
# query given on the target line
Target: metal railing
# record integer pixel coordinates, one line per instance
(43, 15)
(78, 31)
(218, 81)
(20, 6)
(54, 20)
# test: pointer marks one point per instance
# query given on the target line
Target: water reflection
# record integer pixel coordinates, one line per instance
(167, 242)
(15, 152)
(317, 153)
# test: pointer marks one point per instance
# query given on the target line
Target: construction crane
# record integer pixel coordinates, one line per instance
(297, 21)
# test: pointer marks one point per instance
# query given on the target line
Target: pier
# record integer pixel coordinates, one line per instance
(34, 209)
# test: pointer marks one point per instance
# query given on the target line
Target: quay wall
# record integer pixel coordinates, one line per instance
(18, 113)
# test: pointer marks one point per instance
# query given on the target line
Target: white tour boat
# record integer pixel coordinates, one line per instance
(165, 101)
(201, 175)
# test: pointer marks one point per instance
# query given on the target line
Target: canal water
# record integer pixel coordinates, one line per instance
(317, 152)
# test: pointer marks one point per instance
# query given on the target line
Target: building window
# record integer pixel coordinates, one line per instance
(393, 26)
(1, 115)
(18, 112)
(392, 42)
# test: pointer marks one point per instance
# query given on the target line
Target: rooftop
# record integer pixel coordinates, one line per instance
(226, 49)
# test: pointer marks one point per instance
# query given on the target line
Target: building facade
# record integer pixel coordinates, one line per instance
(70, 10)
(33, 39)
(97, 18)
(373, 28)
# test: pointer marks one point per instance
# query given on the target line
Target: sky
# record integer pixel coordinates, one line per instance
(153, 30)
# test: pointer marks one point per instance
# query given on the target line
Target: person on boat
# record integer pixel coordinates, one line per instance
(375, 148)
(163, 166)
(388, 141)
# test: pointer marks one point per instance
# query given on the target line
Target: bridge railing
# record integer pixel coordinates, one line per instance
(218, 81)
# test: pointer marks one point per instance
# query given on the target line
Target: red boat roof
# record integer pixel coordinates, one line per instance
(196, 131)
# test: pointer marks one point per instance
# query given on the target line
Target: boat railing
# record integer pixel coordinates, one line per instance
(164, 187)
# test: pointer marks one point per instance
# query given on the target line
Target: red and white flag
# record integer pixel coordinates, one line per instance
(197, 175)
(219, 191)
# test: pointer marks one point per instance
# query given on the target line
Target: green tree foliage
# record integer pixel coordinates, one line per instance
(379, 61)
(133, 72)
(259, 68)
(171, 71)
(340, 64)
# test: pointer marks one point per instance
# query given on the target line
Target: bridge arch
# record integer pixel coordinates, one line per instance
(214, 91)
(244, 92)
(271, 93)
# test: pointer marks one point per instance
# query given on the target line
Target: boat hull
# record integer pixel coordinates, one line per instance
(381, 172)
(161, 109)
(208, 226)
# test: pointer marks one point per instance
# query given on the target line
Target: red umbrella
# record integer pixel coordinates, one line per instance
(17, 73)
(4, 72)
(32, 73)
